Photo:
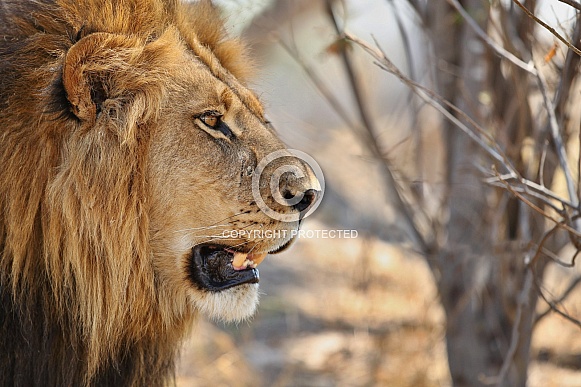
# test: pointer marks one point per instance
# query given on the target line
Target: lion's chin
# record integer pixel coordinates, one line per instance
(231, 305)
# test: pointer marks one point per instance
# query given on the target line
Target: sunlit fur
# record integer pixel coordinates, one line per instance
(106, 184)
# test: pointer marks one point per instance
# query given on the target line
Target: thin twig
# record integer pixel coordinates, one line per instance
(555, 258)
(405, 39)
(536, 208)
(558, 141)
(402, 204)
(547, 27)
(407, 211)
(539, 249)
(542, 164)
(353, 78)
(411, 100)
(531, 68)
(318, 83)
(528, 67)
(524, 190)
(572, 3)
(534, 186)
(554, 307)
(517, 194)
(572, 285)
(436, 101)
(523, 301)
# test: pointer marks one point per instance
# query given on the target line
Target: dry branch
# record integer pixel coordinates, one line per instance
(558, 140)
(522, 303)
(572, 285)
(547, 27)
(555, 308)
(572, 3)
(528, 67)
(479, 134)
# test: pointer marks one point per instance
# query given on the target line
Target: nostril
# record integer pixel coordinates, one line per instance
(288, 195)
(309, 197)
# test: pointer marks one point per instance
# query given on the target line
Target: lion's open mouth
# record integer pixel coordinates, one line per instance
(211, 268)
(216, 267)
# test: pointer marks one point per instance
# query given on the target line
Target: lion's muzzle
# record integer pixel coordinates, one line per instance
(211, 268)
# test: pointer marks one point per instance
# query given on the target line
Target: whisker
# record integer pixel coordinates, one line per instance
(241, 244)
(210, 239)
(217, 224)
(253, 247)
(191, 232)
(202, 228)
(240, 228)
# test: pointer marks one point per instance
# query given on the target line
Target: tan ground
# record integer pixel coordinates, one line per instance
(347, 312)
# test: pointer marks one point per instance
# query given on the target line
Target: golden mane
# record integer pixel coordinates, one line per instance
(72, 200)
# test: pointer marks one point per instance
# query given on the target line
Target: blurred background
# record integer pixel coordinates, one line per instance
(462, 269)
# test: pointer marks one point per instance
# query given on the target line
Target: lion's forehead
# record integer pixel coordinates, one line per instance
(214, 90)
(222, 87)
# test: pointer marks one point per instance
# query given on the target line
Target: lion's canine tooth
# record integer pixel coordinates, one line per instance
(239, 260)
(242, 260)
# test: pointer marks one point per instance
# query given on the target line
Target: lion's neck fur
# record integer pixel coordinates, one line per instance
(53, 356)
(79, 300)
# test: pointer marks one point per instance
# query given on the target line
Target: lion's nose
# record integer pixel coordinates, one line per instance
(308, 199)
(293, 186)
(301, 194)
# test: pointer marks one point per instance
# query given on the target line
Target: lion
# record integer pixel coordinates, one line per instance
(129, 141)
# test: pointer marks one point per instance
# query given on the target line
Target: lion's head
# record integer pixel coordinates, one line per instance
(128, 145)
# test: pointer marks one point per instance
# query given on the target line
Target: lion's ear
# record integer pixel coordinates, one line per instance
(89, 66)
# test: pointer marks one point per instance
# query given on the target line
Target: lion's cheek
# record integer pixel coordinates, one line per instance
(231, 305)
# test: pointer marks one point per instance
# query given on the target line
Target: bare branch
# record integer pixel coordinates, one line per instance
(546, 194)
(574, 283)
(542, 163)
(554, 308)
(572, 3)
(352, 76)
(528, 67)
(405, 38)
(555, 258)
(547, 27)
(409, 212)
(414, 216)
(437, 101)
(558, 140)
(541, 246)
(536, 208)
(523, 302)
(318, 83)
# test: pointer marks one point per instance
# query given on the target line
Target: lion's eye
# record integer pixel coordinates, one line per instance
(211, 119)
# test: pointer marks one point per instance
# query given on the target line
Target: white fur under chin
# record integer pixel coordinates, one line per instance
(231, 305)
